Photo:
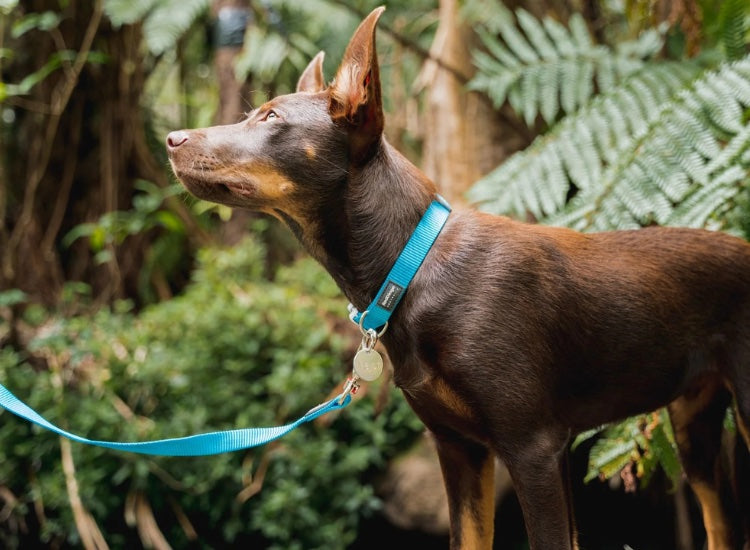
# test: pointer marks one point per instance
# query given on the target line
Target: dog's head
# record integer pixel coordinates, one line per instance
(296, 149)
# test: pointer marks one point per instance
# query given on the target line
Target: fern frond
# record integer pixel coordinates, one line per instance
(583, 145)
(169, 20)
(681, 170)
(126, 12)
(490, 14)
(733, 21)
(663, 147)
(543, 67)
(269, 50)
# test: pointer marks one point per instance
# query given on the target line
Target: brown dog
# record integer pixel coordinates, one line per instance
(512, 337)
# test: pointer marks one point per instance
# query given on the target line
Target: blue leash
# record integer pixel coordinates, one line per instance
(194, 445)
(212, 443)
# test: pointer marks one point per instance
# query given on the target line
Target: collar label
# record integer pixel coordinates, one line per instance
(390, 296)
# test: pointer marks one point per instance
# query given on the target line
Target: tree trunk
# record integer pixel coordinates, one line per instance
(464, 137)
(228, 39)
(78, 146)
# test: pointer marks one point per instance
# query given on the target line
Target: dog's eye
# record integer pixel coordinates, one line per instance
(270, 115)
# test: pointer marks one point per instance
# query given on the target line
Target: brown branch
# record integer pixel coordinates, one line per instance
(3, 182)
(148, 530)
(59, 41)
(138, 513)
(91, 536)
(88, 39)
(10, 502)
(168, 479)
(41, 517)
(256, 481)
(182, 519)
(29, 104)
(66, 183)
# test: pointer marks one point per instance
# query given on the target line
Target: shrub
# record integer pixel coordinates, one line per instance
(235, 350)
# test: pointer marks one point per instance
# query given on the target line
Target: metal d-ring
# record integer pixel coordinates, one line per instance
(366, 333)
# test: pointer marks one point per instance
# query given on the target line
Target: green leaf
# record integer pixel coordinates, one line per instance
(169, 20)
(103, 257)
(170, 221)
(98, 238)
(733, 22)
(80, 230)
(609, 456)
(665, 450)
(12, 297)
(7, 6)
(53, 63)
(44, 21)
(550, 68)
(263, 54)
(663, 147)
(585, 436)
(536, 34)
(127, 12)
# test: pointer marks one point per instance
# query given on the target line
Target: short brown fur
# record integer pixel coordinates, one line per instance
(512, 337)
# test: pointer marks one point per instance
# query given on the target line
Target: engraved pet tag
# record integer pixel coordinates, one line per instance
(368, 364)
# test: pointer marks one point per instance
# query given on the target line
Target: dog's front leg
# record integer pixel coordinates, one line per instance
(539, 469)
(469, 475)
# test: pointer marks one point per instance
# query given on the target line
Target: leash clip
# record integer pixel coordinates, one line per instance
(351, 387)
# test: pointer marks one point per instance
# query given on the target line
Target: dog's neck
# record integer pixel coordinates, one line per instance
(375, 212)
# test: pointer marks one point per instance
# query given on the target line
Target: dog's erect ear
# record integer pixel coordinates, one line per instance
(312, 79)
(355, 93)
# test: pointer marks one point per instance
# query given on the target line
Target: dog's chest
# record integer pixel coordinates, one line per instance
(442, 408)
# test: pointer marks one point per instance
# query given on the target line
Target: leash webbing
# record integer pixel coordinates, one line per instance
(405, 267)
(195, 445)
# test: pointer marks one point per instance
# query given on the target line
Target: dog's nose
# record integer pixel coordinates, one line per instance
(175, 139)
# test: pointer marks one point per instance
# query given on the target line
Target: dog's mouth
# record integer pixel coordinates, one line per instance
(212, 187)
(245, 182)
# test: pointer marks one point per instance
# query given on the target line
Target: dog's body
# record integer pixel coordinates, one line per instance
(511, 337)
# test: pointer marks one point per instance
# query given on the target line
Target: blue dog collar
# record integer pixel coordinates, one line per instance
(408, 262)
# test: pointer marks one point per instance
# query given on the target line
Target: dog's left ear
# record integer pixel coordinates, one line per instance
(312, 79)
(355, 93)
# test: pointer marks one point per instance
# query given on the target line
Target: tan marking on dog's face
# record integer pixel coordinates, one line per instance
(254, 184)
(310, 152)
(270, 184)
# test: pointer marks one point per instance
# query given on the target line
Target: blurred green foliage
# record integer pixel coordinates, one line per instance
(235, 350)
